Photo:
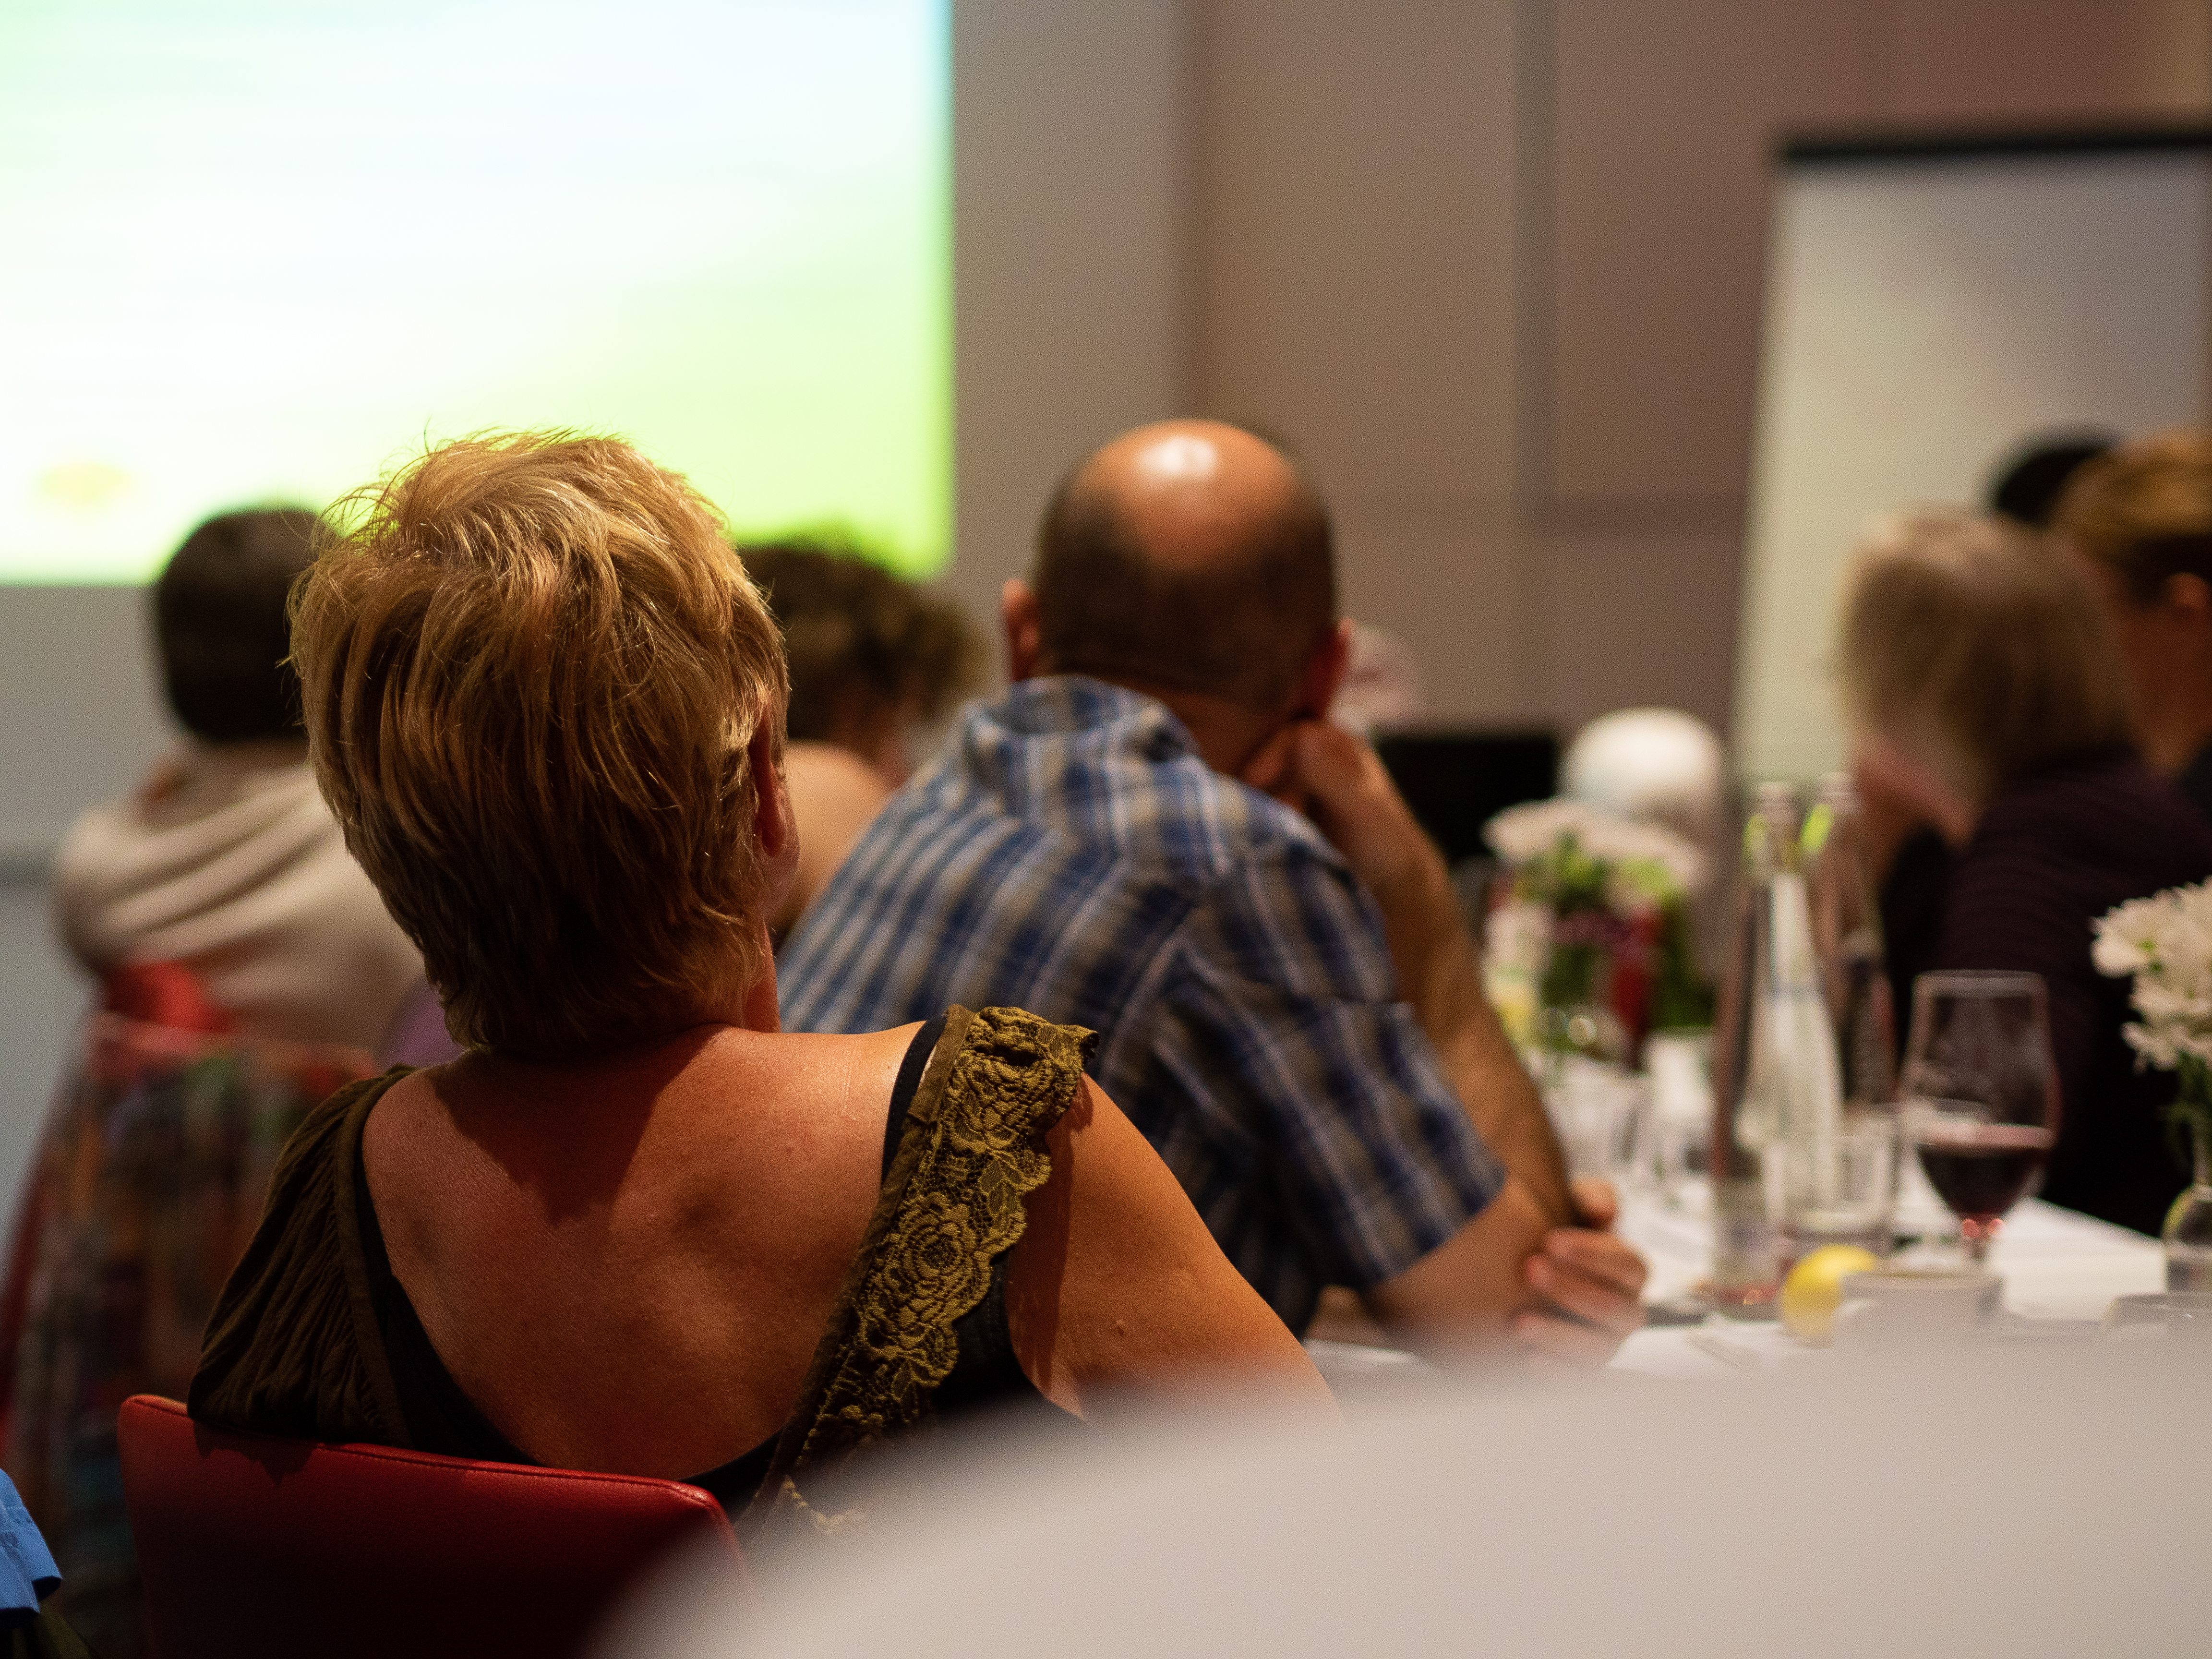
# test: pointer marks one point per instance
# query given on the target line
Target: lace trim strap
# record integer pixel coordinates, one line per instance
(972, 1150)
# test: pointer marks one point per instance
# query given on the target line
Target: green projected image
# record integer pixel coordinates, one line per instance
(258, 250)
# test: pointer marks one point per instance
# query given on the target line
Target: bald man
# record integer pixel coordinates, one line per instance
(1157, 834)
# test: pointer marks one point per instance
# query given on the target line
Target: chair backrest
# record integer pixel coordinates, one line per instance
(251, 1545)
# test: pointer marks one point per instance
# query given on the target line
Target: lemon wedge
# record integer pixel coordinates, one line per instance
(1815, 1286)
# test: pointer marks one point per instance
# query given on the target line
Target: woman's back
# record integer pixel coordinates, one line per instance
(703, 1261)
(627, 1265)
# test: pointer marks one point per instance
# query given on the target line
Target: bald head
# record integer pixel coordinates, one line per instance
(1186, 556)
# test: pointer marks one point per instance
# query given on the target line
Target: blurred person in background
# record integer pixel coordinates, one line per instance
(1653, 766)
(1984, 696)
(636, 1227)
(1157, 834)
(219, 895)
(2140, 520)
(1907, 855)
(872, 658)
(2029, 484)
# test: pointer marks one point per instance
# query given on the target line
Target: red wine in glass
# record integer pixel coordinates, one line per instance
(1980, 1093)
(1979, 1169)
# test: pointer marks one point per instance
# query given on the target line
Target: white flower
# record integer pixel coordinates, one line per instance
(2169, 1004)
(2124, 939)
(2166, 942)
(1522, 833)
(1669, 863)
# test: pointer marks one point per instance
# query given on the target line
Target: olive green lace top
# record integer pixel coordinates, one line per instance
(295, 1346)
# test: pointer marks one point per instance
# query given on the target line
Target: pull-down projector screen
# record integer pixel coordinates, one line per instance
(257, 249)
(1928, 307)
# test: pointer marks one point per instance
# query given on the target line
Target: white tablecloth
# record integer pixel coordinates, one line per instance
(2056, 1265)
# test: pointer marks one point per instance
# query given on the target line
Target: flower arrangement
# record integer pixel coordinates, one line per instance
(1594, 919)
(2166, 942)
(1569, 841)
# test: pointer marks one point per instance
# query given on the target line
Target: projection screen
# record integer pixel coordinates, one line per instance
(1930, 304)
(258, 250)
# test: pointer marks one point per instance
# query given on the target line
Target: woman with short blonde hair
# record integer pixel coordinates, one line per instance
(635, 1227)
(533, 676)
(1985, 698)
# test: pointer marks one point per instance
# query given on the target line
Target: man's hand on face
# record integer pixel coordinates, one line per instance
(1590, 1283)
(1593, 1281)
(1337, 781)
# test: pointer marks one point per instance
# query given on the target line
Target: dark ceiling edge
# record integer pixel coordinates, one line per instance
(1825, 150)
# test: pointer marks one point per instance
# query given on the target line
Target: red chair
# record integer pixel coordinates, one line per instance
(250, 1545)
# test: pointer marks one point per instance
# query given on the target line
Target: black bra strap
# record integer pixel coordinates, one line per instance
(909, 1079)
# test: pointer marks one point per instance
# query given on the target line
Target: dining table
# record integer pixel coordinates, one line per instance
(2060, 1272)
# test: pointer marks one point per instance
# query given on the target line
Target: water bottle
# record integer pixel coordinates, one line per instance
(1847, 940)
(1747, 1244)
(1856, 1181)
(1814, 1176)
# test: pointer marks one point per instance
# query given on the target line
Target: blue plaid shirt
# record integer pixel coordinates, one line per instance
(1073, 854)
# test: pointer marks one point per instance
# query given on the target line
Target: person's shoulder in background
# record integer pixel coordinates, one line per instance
(2055, 850)
(199, 806)
(2106, 814)
(833, 796)
(227, 861)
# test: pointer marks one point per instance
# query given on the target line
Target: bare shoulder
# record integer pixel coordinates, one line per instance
(763, 1108)
(813, 1078)
(834, 795)
(1117, 1287)
(834, 781)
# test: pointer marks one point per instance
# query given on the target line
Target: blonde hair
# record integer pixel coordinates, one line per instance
(531, 668)
(2145, 510)
(1976, 643)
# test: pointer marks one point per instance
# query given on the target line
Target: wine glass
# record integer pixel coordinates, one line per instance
(1980, 1093)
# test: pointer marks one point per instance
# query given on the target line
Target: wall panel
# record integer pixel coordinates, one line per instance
(2030, 61)
(1070, 158)
(1662, 117)
(1356, 263)
(1355, 275)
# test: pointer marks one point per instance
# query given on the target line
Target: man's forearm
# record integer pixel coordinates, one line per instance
(1440, 972)
(1340, 783)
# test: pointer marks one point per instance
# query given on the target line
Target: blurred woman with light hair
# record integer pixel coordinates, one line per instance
(1984, 697)
(635, 1227)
